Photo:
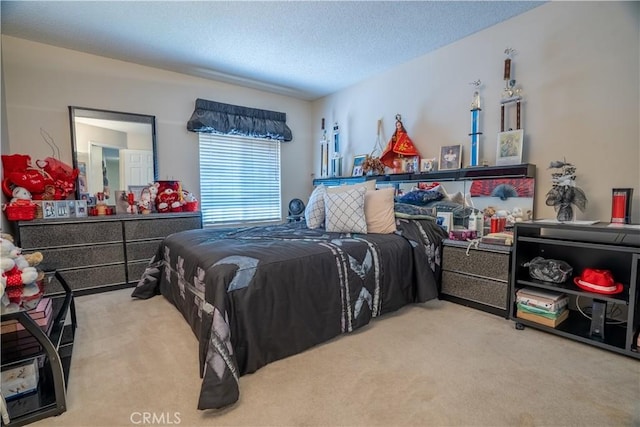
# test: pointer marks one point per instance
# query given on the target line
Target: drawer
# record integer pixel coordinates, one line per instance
(65, 234)
(135, 270)
(488, 264)
(89, 278)
(157, 228)
(475, 289)
(142, 250)
(78, 256)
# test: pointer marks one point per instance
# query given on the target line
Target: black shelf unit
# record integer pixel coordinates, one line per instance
(602, 246)
(49, 399)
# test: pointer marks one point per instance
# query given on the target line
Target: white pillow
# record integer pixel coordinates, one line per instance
(378, 211)
(314, 211)
(369, 185)
(344, 211)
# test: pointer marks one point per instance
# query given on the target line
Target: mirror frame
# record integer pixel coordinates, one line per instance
(94, 113)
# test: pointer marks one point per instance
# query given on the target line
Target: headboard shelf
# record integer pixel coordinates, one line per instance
(525, 170)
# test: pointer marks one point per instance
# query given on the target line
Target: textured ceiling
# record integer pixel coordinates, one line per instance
(306, 49)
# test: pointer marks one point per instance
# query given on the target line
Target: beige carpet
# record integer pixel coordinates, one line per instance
(436, 364)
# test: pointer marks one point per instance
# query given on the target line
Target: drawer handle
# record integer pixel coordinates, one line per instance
(472, 243)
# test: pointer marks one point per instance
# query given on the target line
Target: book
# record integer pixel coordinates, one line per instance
(540, 311)
(552, 323)
(547, 300)
(43, 318)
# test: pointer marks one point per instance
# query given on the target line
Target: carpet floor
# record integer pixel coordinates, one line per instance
(434, 364)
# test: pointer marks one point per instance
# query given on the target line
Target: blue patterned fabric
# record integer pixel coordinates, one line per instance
(420, 197)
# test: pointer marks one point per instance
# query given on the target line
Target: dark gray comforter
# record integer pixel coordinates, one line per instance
(256, 295)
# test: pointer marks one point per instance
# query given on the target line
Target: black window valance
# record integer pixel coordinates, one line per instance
(216, 117)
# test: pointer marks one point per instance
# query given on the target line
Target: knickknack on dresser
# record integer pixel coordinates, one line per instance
(100, 253)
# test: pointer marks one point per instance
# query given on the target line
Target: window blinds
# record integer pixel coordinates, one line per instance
(239, 179)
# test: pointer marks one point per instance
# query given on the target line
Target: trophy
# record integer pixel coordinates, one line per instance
(324, 153)
(336, 159)
(511, 94)
(475, 132)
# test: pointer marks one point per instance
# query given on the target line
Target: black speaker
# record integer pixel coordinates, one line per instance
(598, 318)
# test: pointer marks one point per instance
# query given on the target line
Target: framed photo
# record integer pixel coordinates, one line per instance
(429, 165)
(411, 164)
(509, 151)
(81, 208)
(71, 208)
(358, 161)
(450, 157)
(49, 209)
(445, 220)
(62, 209)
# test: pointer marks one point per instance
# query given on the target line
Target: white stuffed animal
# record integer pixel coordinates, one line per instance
(20, 193)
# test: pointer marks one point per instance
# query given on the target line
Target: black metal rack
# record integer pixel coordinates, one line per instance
(602, 246)
(49, 399)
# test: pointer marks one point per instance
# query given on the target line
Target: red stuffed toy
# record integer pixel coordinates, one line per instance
(169, 198)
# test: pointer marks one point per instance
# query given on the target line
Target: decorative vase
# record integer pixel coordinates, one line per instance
(565, 212)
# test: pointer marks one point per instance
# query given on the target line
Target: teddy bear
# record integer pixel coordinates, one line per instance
(26, 260)
(145, 202)
(21, 196)
(168, 200)
(19, 285)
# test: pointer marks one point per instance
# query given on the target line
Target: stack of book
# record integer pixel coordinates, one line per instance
(544, 307)
(17, 341)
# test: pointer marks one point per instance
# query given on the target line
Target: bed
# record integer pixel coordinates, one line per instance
(259, 294)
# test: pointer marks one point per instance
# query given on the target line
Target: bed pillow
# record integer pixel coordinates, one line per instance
(421, 197)
(378, 211)
(369, 185)
(344, 211)
(314, 211)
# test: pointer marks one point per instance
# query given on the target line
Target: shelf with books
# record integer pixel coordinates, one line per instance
(602, 311)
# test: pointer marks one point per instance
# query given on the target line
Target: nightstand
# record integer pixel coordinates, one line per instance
(476, 276)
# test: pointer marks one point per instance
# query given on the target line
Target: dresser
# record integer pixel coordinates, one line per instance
(100, 253)
(476, 276)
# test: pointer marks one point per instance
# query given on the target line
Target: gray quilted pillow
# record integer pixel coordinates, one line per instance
(345, 211)
(314, 212)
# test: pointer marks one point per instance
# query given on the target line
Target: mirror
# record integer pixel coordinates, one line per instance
(113, 151)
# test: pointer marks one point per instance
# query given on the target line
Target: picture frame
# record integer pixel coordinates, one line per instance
(81, 208)
(509, 147)
(71, 208)
(411, 164)
(49, 209)
(445, 220)
(62, 209)
(429, 165)
(450, 157)
(358, 161)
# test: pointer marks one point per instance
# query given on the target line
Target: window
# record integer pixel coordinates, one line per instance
(239, 179)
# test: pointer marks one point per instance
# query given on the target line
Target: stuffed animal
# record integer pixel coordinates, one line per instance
(168, 200)
(145, 203)
(19, 280)
(21, 196)
(169, 196)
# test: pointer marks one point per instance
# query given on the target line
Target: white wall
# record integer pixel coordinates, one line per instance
(41, 81)
(578, 64)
